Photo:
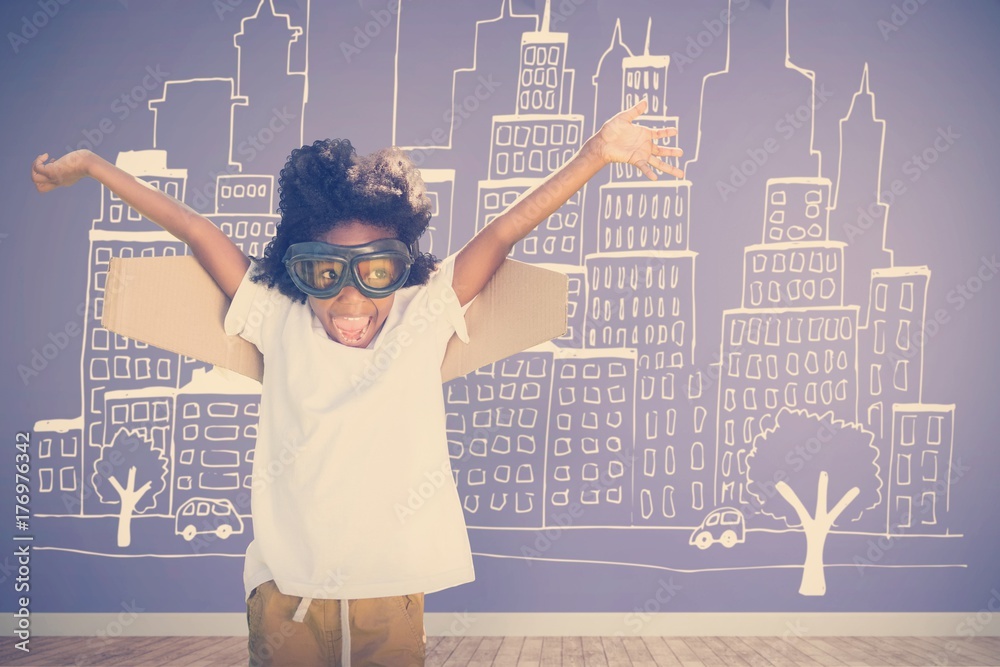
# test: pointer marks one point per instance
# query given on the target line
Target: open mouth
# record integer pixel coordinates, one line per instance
(352, 330)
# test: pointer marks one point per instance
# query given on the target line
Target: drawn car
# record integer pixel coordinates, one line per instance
(200, 516)
(724, 525)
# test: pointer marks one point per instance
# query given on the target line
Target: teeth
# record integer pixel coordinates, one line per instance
(349, 338)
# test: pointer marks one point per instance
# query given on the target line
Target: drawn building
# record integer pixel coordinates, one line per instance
(674, 474)
(576, 303)
(859, 218)
(538, 138)
(608, 81)
(110, 361)
(192, 122)
(266, 111)
(891, 359)
(216, 431)
(591, 435)
(497, 423)
(640, 295)
(58, 474)
(441, 191)
(919, 489)
(792, 343)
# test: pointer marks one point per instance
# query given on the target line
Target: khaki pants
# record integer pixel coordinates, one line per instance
(386, 631)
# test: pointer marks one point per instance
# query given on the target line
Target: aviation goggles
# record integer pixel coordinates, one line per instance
(376, 269)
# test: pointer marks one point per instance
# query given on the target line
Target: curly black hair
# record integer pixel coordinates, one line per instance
(326, 184)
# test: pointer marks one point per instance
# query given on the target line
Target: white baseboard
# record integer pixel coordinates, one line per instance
(915, 624)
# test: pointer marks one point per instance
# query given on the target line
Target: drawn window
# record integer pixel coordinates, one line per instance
(906, 297)
(791, 364)
(928, 465)
(794, 330)
(67, 479)
(876, 379)
(934, 430)
(880, 292)
(99, 369)
(903, 335)
(697, 496)
(44, 480)
(903, 510)
(668, 501)
(699, 418)
(900, 376)
(907, 427)
(779, 263)
(736, 332)
(694, 385)
(771, 398)
(875, 417)
(667, 386)
(649, 463)
(222, 409)
(903, 469)
(530, 391)
(928, 500)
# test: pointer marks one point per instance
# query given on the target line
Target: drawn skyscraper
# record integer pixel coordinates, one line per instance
(641, 295)
(111, 361)
(270, 96)
(533, 142)
(736, 121)
(859, 217)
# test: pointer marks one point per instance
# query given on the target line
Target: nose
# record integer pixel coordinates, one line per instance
(350, 294)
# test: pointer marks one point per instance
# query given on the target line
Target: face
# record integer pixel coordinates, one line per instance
(350, 317)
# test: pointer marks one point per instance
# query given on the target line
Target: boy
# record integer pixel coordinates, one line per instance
(325, 528)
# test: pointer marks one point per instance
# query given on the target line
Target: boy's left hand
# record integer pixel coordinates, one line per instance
(619, 140)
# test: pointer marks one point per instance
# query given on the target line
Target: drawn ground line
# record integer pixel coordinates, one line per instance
(707, 569)
(554, 560)
(98, 553)
(558, 527)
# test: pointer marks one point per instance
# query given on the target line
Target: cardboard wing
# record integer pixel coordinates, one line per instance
(174, 304)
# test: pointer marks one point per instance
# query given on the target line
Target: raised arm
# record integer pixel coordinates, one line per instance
(225, 262)
(618, 140)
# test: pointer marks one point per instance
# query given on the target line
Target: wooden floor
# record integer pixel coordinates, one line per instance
(541, 651)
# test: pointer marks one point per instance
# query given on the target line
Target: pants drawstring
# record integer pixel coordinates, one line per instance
(300, 613)
(345, 626)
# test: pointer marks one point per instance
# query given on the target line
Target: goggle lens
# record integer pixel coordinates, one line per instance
(320, 274)
(381, 272)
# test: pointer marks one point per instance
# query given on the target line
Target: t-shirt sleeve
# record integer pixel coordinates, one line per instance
(443, 302)
(253, 306)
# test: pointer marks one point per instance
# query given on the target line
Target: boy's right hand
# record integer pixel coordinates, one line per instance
(67, 170)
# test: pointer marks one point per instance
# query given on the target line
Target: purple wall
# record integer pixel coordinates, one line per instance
(773, 318)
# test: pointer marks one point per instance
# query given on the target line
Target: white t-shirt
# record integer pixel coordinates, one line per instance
(353, 494)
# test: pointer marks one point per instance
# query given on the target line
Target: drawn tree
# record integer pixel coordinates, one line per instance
(796, 459)
(128, 452)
